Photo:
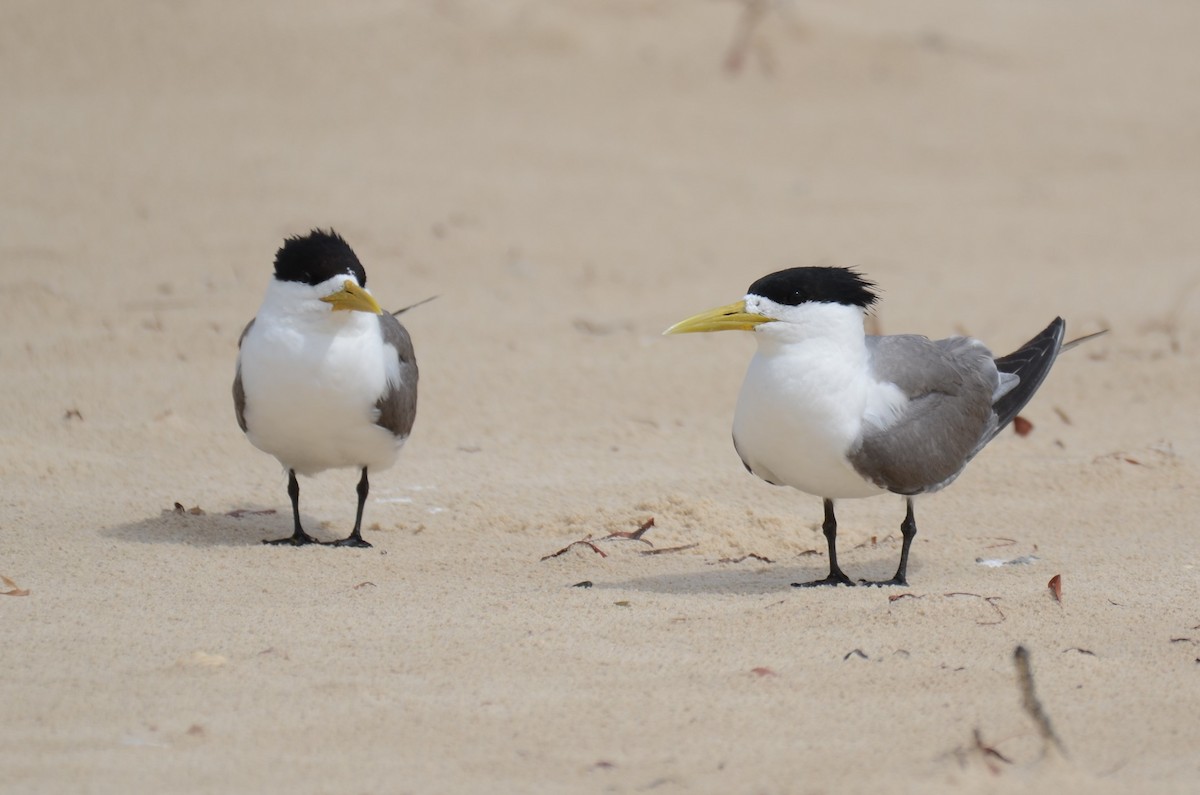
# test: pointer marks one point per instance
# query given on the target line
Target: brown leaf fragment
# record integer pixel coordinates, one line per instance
(13, 590)
(179, 508)
(1173, 640)
(855, 653)
(763, 671)
(367, 584)
(1022, 426)
(1055, 586)
(583, 584)
(196, 510)
(622, 603)
(1062, 415)
(664, 550)
(808, 552)
(73, 414)
(897, 596)
(1088, 652)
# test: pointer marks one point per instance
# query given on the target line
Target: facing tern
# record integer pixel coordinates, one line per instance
(325, 378)
(834, 412)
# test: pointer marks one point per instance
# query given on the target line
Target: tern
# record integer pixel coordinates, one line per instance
(834, 412)
(325, 378)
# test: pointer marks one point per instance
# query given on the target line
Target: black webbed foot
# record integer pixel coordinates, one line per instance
(351, 541)
(297, 539)
(837, 578)
(881, 583)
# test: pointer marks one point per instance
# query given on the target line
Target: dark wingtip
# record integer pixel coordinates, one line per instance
(1031, 364)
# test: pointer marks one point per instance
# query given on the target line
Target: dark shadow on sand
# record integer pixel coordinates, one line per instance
(751, 579)
(208, 529)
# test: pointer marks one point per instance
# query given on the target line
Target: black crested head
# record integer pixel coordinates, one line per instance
(796, 286)
(316, 257)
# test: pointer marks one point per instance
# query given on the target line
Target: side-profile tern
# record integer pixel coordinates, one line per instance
(832, 411)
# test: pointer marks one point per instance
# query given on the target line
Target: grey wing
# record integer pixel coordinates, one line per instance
(239, 393)
(950, 385)
(398, 405)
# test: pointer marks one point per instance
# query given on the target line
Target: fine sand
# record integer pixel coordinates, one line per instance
(570, 178)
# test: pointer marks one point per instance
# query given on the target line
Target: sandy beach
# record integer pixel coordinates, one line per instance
(569, 179)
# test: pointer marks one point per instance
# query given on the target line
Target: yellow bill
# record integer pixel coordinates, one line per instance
(353, 298)
(732, 317)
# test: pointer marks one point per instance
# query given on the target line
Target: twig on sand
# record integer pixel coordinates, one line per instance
(991, 601)
(665, 550)
(584, 541)
(1029, 701)
(633, 535)
(753, 12)
(617, 535)
(749, 556)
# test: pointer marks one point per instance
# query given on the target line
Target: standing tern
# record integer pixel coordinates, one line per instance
(834, 412)
(325, 378)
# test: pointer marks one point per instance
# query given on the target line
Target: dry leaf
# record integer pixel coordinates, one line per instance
(1055, 586)
(13, 590)
(1022, 426)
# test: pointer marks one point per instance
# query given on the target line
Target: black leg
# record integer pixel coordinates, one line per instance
(355, 538)
(908, 530)
(836, 575)
(298, 537)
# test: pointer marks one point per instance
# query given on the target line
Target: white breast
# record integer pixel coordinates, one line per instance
(803, 403)
(311, 393)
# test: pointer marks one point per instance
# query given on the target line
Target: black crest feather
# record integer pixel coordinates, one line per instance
(315, 257)
(796, 286)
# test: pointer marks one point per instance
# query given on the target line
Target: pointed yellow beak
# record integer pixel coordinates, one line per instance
(732, 317)
(353, 298)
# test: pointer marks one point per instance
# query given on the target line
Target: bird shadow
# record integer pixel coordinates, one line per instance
(721, 581)
(731, 581)
(246, 527)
